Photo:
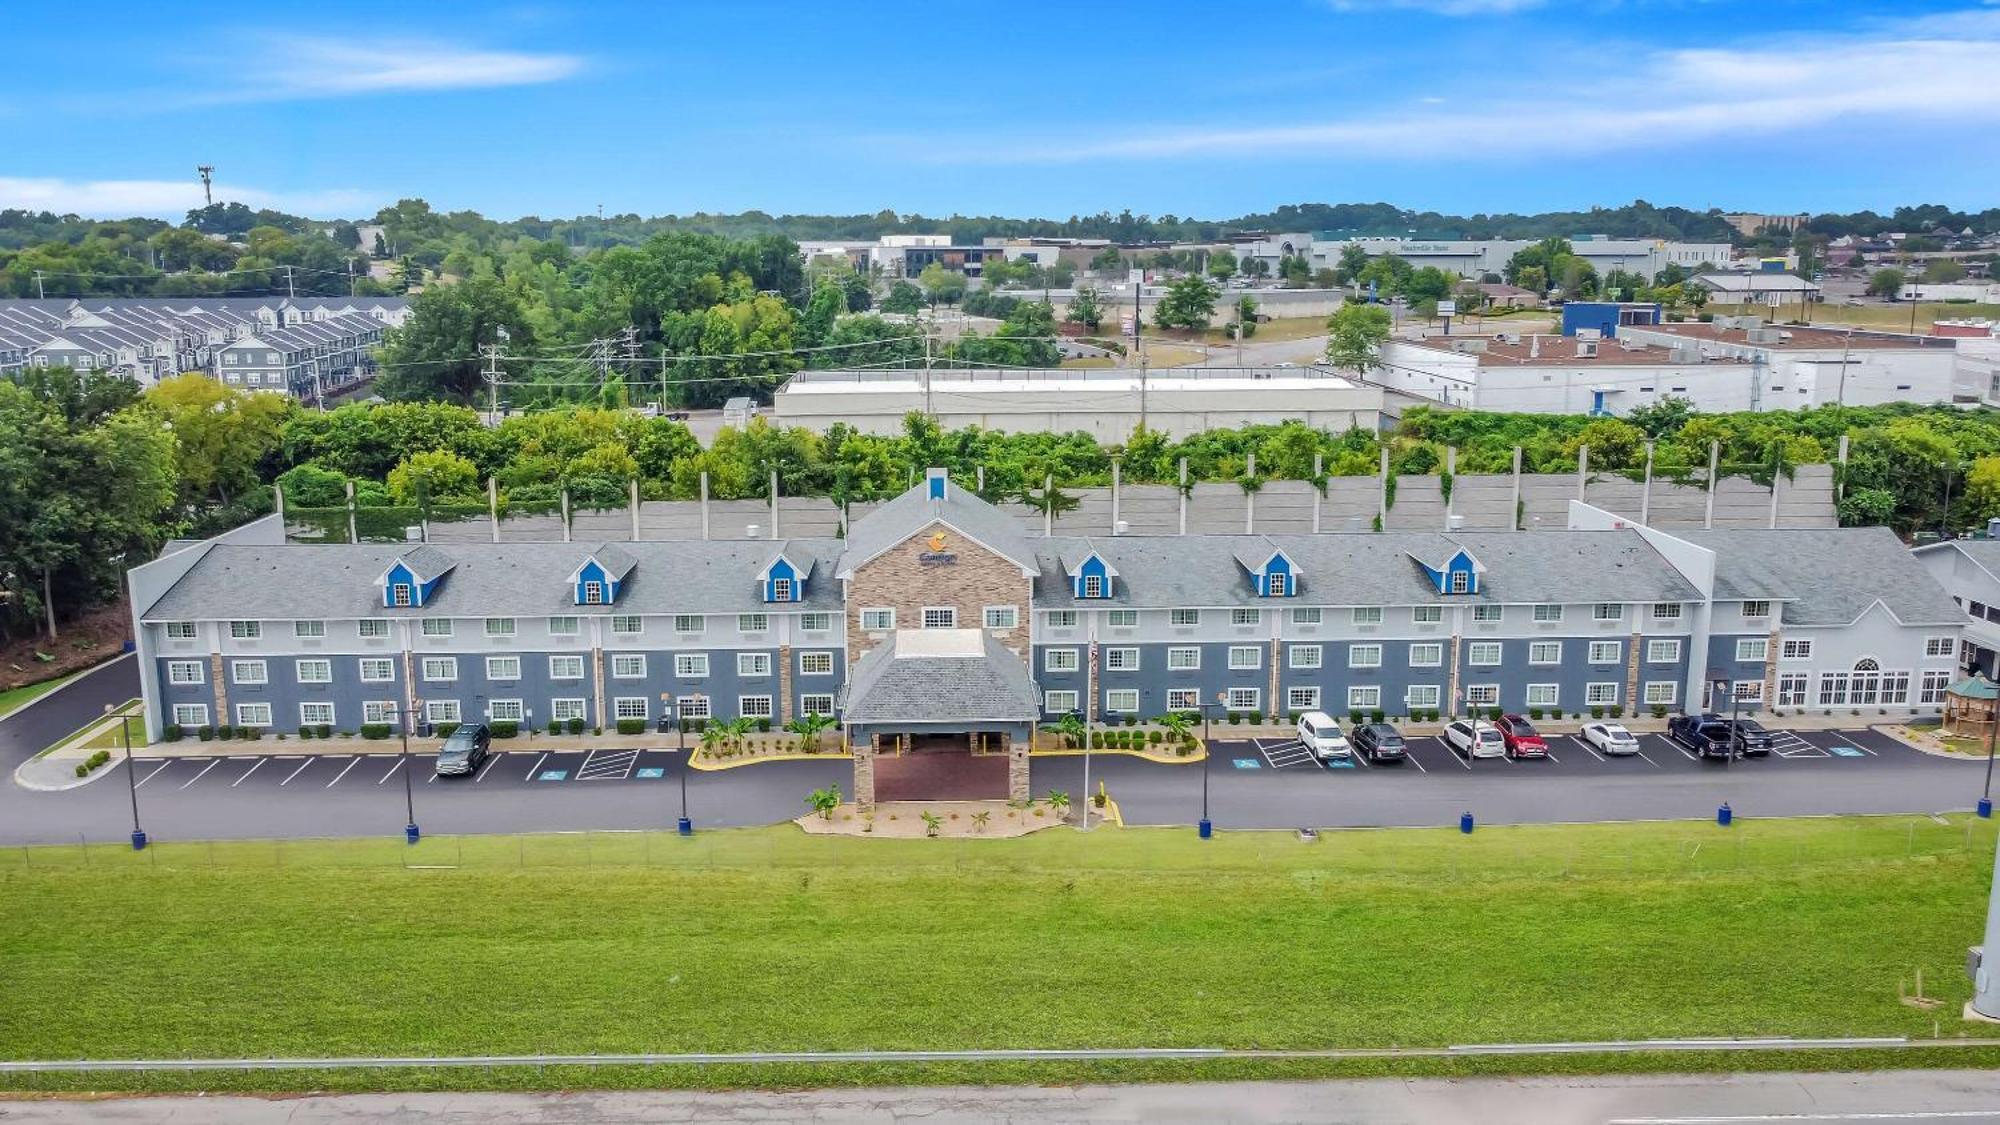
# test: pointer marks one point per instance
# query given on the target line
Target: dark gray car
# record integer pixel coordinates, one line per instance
(464, 749)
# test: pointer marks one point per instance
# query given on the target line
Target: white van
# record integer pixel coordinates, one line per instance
(1321, 735)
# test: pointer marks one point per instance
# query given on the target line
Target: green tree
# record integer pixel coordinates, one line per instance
(223, 438)
(1355, 335)
(941, 286)
(1188, 303)
(435, 355)
(1084, 309)
(425, 478)
(1944, 270)
(1108, 260)
(1245, 324)
(903, 298)
(1222, 265)
(1887, 282)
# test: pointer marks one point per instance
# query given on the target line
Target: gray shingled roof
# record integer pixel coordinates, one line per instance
(897, 520)
(616, 560)
(427, 562)
(1827, 576)
(523, 579)
(1983, 552)
(993, 687)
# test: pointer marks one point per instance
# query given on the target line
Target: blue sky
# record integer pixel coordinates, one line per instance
(1165, 106)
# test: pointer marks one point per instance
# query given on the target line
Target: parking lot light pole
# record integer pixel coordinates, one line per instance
(685, 826)
(410, 831)
(131, 783)
(1992, 730)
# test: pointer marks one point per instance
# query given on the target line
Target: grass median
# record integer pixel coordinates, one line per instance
(767, 940)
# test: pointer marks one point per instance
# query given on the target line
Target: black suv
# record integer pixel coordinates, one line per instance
(1750, 739)
(464, 749)
(1708, 736)
(1379, 742)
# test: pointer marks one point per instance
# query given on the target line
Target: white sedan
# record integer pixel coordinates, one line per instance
(1610, 738)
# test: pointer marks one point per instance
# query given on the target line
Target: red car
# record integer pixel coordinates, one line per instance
(1521, 738)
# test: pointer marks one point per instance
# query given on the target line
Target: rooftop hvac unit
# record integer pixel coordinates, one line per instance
(1589, 334)
(1586, 349)
(1762, 336)
(1507, 337)
(413, 533)
(751, 531)
(1121, 527)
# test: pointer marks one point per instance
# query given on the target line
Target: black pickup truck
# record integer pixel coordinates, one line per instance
(1750, 739)
(1707, 736)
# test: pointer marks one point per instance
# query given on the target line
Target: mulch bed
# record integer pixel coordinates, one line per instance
(95, 637)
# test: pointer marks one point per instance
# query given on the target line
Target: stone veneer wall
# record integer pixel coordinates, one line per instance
(898, 579)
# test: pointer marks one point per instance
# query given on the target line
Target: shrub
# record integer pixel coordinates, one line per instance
(1376, 715)
(1354, 718)
(1597, 712)
(1256, 717)
(1131, 720)
(1659, 710)
(763, 726)
(444, 730)
(376, 731)
(595, 731)
(1618, 712)
(575, 726)
(326, 730)
(555, 726)
(306, 732)
(1534, 712)
(250, 733)
(695, 726)
(1493, 714)
(84, 768)
(1154, 737)
(171, 732)
(205, 733)
(224, 732)
(1235, 718)
(505, 728)
(631, 726)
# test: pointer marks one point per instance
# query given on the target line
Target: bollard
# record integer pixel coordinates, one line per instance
(410, 833)
(1206, 829)
(1986, 808)
(1723, 815)
(1465, 822)
(138, 840)
(685, 827)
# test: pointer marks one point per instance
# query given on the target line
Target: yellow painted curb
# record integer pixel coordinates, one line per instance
(1200, 755)
(1111, 812)
(699, 761)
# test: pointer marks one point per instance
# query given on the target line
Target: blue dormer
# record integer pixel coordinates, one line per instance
(936, 483)
(600, 577)
(783, 580)
(1091, 575)
(1458, 574)
(413, 578)
(1272, 571)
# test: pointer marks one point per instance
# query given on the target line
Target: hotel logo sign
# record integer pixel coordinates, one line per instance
(938, 554)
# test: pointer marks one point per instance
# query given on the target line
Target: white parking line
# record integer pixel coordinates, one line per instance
(1463, 760)
(607, 765)
(212, 763)
(392, 771)
(343, 772)
(248, 772)
(1412, 759)
(1587, 747)
(532, 770)
(154, 774)
(1641, 751)
(487, 768)
(296, 772)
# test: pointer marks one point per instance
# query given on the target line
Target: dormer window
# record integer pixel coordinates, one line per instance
(1458, 573)
(597, 579)
(1278, 584)
(1093, 585)
(593, 593)
(781, 589)
(1461, 581)
(783, 580)
(400, 594)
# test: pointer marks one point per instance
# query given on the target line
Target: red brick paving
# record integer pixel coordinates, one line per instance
(941, 775)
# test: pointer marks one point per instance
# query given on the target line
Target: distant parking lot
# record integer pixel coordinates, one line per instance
(301, 772)
(1571, 756)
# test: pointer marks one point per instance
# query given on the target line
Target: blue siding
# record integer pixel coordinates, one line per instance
(399, 574)
(592, 571)
(1281, 566)
(783, 569)
(1093, 567)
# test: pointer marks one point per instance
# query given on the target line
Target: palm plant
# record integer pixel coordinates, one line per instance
(1178, 726)
(932, 823)
(738, 729)
(1070, 728)
(713, 738)
(824, 801)
(809, 728)
(1059, 801)
(979, 820)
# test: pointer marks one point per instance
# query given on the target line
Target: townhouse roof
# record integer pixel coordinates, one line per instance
(950, 677)
(1827, 576)
(899, 519)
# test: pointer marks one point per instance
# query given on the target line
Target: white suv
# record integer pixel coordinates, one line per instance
(1475, 739)
(1321, 735)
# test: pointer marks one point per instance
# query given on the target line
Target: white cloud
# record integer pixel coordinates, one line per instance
(1441, 7)
(296, 67)
(168, 199)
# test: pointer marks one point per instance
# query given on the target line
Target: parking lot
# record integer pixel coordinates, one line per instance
(303, 772)
(1571, 756)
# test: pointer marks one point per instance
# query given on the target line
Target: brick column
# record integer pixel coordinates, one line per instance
(864, 772)
(1633, 703)
(1771, 649)
(597, 684)
(215, 667)
(784, 685)
(1451, 684)
(1275, 704)
(1017, 768)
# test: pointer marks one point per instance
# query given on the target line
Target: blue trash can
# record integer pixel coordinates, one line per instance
(411, 834)
(1723, 815)
(1986, 808)
(685, 827)
(1205, 828)
(1465, 822)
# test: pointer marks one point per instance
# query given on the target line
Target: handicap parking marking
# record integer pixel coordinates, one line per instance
(1788, 744)
(1844, 751)
(606, 765)
(1284, 754)
(1247, 763)
(649, 772)
(554, 775)
(1339, 763)
(530, 776)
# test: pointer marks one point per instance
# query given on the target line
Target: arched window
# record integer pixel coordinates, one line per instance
(1866, 664)
(1866, 687)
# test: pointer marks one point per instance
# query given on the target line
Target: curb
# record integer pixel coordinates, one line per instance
(698, 761)
(71, 781)
(1890, 732)
(1147, 755)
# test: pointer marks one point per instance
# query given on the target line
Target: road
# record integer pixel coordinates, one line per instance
(1962, 1097)
(263, 790)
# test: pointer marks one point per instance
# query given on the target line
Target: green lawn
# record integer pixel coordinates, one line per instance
(17, 698)
(768, 940)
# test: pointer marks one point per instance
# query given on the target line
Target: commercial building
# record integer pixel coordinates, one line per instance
(1748, 223)
(1756, 287)
(1805, 366)
(940, 625)
(1476, 258)
(1981, 292)
(1108, 403)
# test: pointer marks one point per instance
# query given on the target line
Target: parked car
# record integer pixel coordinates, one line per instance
(464, 750)
(1610, 738)
(1475, 739)
(1749, 739)
(1707, 736)
(1321, 735)
(1378, 742)
(1521, 738)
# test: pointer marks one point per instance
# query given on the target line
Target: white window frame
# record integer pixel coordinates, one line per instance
(884, 618)
(1752, 650)
(1061, 619)
(1427, 654)
(246, 630)
(1604, 652)
(371, 628)
(1931, 687)
(1305, 657)
(1545, 652)
(631, 707)
(442, 711)
(1365, 697)
(563, 710)
(402, 595)
(1367, 615)
(1245, 618)
(1542, 695)
(753, 665)
(1939, 646)
(1666, 611)
(309, 707)
(818, 621)
(190, 714)
(1060, 660)
(446, 665)
(178, 673)
(436, 627)
(556, 670)
(1482, 695)
(593, 593)
(1093, 586)
(1602, 693)
(501, 627)
(1001, 616)
(1422, 697)
(1794, 688)
(628, 665)
(816, 703)
(506, 711)
(694, 707)
(1757, 608)
(1121, 659)
(180, 630)
(1795, 648)
(1548, 613)
(1484, 654)
(1426, 614)
(690, 624)
(1368, 655)
(564, 626)
(939, 617)
(1246, 658)
(690, 665)
(1607, 611)
(627, 624)
(781, 589)
(1302, 698)
(753, 623)
(1182, 617)
(1663, 650)
(1243, 699)
(1121, 618)
(253, 714)
(1306, 615)
(1183, 699)
(496, 667)
(316, 666)
(1662, 693)
(1060, 702)
(309, 630)
(249, 672)
(1121, 701)
(1178, 658)
(1487, 614)
(816, 664)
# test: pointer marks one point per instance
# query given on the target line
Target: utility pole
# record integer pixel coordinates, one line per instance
(492, 374)
(291, 290)
(927, 374)
(39, 291)
(350, 277)
(207, 182)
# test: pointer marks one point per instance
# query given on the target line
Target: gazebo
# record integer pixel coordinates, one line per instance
(1969, 707)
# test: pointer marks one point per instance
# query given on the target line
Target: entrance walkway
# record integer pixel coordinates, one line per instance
(941, 775)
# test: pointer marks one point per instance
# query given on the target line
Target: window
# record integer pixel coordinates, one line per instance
(315, 671)
(441, 710)
(1662, 693)
(1748, 691)
(1184, 617)
(399, 594)
(1304, 656)
(1001, 616)
(316, 712)
(1121, 660)
(816, 664)
(689, 623)
(1833, 689)
(1243, 699)
(190, 714)
(1368, 615)
(563, 626)
(818, 703)
(1428, 655)
(1607, 611)
(691, 665)
(1796, 649)
(593, 593)
(694, 707)
(309, 630)
(565, 667)
(180, 630)
(1792, 689)
(1757, 609)
(1461, 582)
(1427, 614)
(1543, 695)
(1486, 614)
(1600, 695)
(185, 672)
(753, 706)
(1930, 691)
(753, 663)
(815, 623)
(752, 622)
(1364, 696)
(1421, 696)
(1364, 656)
(437, 626)
(1604, 652)
(1752, 649)
(371, 630)
(781, 589)
(1482, 695)
(1183, 658)
(629, 707)
(1667, 611)
(1093, 586)
(440, 669)
(253, 714)
(628, 624)
(1548, 613)
(563, 710)
(940, 617)
(499, 626)
(249, 672)
(1939, 646)
(1121, 618)
(1059, 660)
(1183, 699)
(628, 665)
(1482, 654)
(1302, 699)
(246, 630)
(1308, 616)
(1059, 702)
(1277, 585)
(1245, 657)
(503, 667)
(378, 711)
(1241, 617)
(1121, 701)
(1062, 619)
(1663, 652)
(1545, 652)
